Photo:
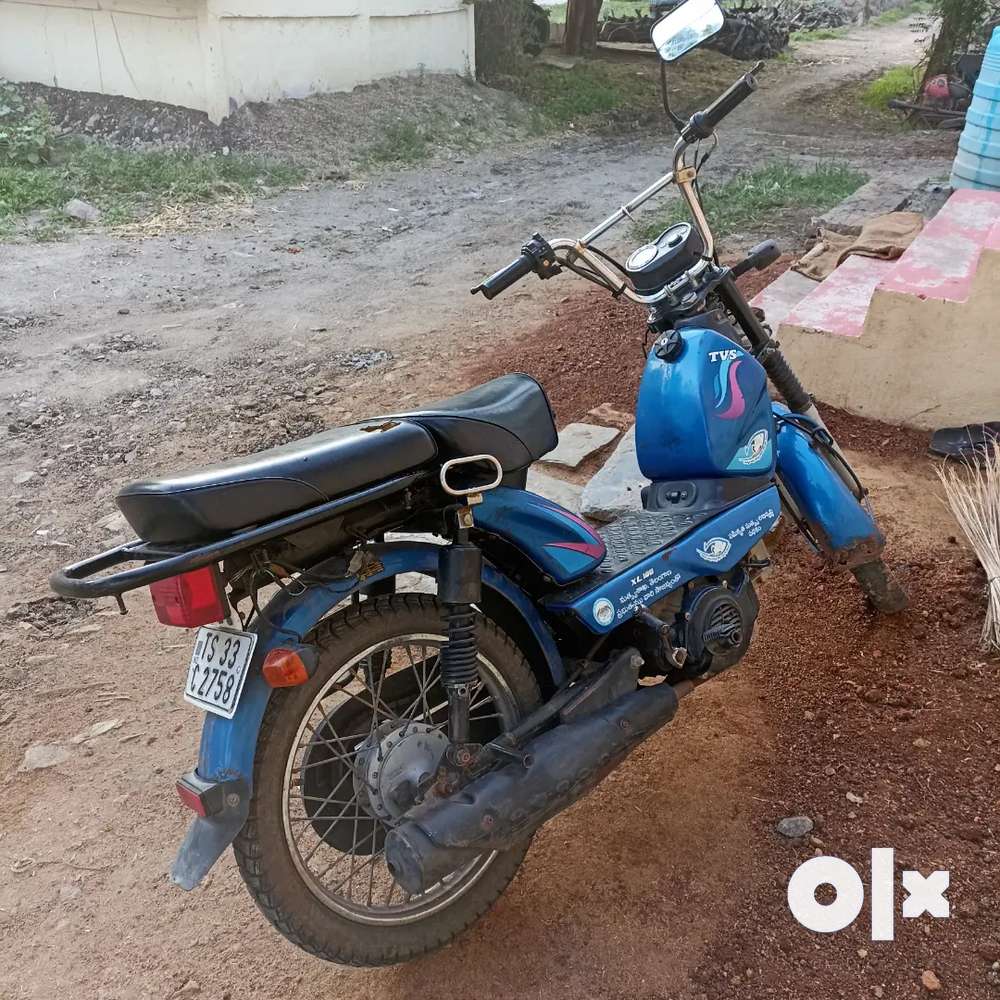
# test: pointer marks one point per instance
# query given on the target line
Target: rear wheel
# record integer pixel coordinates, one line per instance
(338, 763)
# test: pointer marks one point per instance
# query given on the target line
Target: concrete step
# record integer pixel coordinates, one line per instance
(780, 297)
(838, 304)
(881, 195)
(941, 262)
(911, 341)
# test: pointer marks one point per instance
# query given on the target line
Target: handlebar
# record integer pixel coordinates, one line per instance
(492, 286)
(704, 123)
(536, 255)
(539, 256)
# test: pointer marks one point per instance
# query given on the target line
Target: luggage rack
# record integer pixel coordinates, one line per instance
(81, 580)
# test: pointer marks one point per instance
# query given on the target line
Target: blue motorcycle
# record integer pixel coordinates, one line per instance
(379, 756)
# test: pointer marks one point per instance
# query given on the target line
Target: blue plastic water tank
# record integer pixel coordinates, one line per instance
(977, 163)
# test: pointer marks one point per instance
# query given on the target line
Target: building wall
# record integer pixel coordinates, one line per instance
(217, 54)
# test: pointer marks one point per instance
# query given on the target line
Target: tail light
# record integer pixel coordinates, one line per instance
(209, 798)
(194, 796)
(191, 599)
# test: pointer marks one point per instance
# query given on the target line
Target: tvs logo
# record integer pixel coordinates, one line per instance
(723, 355)
(924, 895)
(715, 549)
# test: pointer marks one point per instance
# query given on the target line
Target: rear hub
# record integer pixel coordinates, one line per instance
(330, 774)
(393, 765)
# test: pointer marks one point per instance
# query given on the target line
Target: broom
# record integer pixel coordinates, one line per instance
(972, 489)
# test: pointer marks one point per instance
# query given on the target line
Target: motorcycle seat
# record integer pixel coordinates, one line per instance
(509, 418)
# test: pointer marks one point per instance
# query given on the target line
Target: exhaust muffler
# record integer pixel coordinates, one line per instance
(503, 807)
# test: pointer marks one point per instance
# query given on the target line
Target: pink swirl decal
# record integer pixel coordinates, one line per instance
(737, 405)
(595, 550)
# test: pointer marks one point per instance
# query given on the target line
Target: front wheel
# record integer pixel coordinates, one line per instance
(880, 587)
(339, 760)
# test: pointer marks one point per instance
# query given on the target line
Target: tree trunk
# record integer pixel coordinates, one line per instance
(581, 26)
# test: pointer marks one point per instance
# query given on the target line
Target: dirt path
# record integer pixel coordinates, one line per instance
(119, 359)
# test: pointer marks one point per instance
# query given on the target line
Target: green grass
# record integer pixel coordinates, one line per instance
(744, 202)
(402, 142)
(129, 185)
(589, 88)
(819, 34)
(899, 81)
(901, 13)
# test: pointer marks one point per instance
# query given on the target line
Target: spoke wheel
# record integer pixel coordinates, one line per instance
(340, 760)
(334, 826)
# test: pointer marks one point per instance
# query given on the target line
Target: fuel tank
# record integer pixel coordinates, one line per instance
(703, 410)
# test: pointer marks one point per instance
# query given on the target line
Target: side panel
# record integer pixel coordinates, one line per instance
(560, 544)
(843, 526)
(715, 546)
(228, 746)
(704, 414)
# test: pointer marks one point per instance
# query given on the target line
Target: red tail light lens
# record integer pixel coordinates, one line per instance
(192, 798)
(191, 599)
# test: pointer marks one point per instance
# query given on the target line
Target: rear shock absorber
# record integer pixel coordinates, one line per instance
(460, 574)
(460, 586)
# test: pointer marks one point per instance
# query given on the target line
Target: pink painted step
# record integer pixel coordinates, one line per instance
(839, 303)
(941, 262)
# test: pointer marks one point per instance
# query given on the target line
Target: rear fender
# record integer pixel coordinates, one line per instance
(228, 746)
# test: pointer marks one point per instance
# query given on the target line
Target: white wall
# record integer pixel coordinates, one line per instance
(217, 54)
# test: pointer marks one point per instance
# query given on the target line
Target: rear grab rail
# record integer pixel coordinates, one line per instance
(81, 581)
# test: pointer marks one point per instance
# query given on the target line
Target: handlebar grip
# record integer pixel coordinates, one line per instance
(730, 100)
(492, 286)
(703, 123)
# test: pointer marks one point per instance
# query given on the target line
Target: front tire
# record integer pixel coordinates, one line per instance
(309, 750)
(880, 587)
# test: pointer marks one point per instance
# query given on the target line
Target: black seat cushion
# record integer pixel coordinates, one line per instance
(509, 418)
(212, 502)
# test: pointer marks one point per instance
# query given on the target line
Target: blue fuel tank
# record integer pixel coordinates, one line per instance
(704, 413)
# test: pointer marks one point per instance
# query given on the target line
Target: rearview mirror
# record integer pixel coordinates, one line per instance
(685, 27)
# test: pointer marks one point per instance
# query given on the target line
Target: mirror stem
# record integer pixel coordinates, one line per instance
(677, 121)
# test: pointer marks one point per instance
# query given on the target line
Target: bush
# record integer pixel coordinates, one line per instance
(505, 29)
(26, 130)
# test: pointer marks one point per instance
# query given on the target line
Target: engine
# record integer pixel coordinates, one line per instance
(715, 624)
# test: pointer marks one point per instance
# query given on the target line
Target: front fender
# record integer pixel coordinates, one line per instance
(841, 524)
(228, 746)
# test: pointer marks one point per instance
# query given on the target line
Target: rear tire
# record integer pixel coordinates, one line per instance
(269, 857)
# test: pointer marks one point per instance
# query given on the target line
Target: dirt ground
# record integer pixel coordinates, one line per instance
(123, 358)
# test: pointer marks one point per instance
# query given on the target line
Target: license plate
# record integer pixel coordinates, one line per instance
(219, 669)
